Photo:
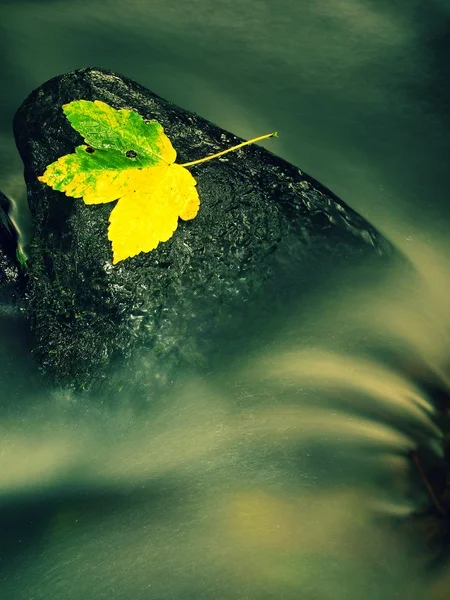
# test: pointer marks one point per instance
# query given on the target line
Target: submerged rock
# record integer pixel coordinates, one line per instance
(9, 271)
(265, 232)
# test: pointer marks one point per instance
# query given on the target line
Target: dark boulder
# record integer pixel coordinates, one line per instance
(265, 231)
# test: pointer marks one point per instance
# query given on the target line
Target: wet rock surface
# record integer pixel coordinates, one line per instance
(9, 270)
(265, 231)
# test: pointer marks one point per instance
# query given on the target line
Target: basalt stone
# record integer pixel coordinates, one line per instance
(264, 229)
(9, 271)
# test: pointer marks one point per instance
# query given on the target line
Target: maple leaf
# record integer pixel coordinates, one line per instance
(128, 159)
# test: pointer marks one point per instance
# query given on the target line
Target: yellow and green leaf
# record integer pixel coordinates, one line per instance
(131, 160)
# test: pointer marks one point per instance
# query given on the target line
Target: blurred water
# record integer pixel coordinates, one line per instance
(282, 474)
(279, 475)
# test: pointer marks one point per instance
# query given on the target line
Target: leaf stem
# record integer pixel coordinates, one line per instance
(257, 139)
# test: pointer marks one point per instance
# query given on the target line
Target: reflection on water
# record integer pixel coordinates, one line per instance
(284, 473)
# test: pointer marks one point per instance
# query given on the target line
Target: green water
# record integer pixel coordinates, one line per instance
(283, 475)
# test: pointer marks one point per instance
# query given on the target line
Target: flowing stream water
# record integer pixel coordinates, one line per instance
(283, 472)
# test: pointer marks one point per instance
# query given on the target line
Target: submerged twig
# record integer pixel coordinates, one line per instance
(437, 502)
